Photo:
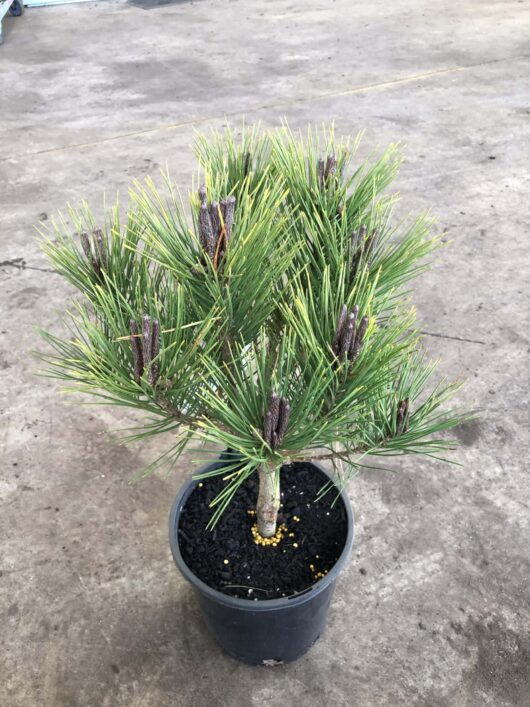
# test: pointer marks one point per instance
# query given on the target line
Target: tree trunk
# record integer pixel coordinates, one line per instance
(268, 500)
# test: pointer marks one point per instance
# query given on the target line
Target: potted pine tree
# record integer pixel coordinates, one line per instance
(272, 321)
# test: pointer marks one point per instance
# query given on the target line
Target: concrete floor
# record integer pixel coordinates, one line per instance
(434, 607)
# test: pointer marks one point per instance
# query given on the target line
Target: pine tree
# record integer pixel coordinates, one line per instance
(274, 321)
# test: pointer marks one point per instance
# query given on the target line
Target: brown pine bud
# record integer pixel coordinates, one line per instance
(362, 233)
(354, 314)
(283, 421)
(154, 368)
(229, 215)
(347, 336)
(214, 218)
(203, 196)
(247, 164)
(267, 428)
(331, 167)
(85, 243)
(340, 326)
(99, 247)
(274, 440)
(357, 248)
(359, 337)
(402, 414)
(274, 407)
(136, 346)
(146, 339)
(406, 414)
(207, 238)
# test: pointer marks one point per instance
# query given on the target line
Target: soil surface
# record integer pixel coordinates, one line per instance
(229, 560)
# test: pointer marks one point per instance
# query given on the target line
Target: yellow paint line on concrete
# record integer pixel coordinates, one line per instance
(278, 104)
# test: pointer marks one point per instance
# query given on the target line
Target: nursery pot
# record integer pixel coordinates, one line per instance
(268, 631)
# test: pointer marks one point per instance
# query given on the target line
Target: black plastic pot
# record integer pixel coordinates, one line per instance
(270, 630)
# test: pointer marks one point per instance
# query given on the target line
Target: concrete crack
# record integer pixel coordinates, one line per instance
(454, 338)
(20, 264)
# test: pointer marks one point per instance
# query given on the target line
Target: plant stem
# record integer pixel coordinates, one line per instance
(268, 503)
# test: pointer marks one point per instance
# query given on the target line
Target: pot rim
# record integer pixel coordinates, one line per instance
(252, 604)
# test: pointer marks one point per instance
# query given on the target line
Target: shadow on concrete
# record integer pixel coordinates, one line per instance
(153, 4)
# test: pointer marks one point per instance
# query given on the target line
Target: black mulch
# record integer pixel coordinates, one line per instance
(253, 571)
